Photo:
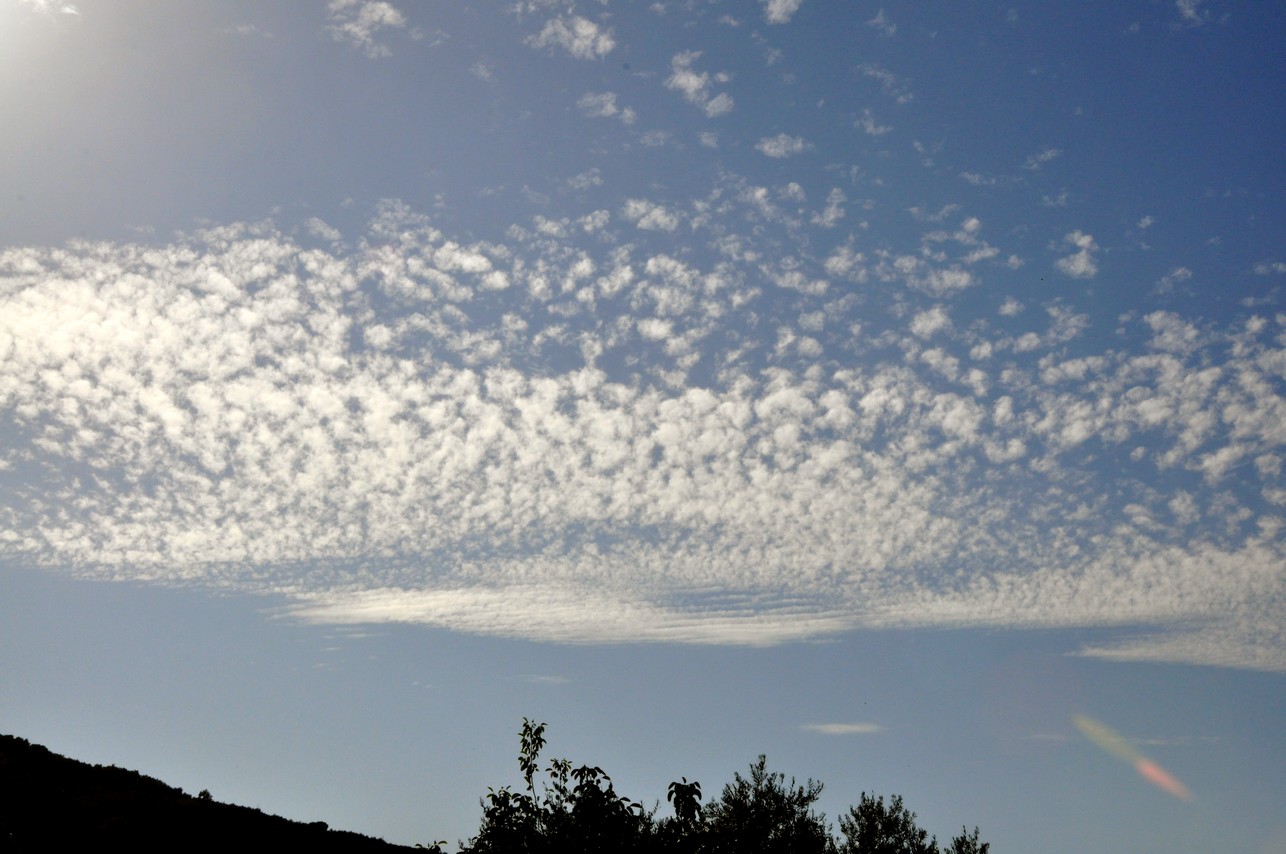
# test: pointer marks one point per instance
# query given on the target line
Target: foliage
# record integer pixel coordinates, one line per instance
(872, 828)
(576, 810)
(967, 843)
(763, 813)
(686, 798)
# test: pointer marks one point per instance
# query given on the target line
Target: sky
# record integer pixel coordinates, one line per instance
(889, 388)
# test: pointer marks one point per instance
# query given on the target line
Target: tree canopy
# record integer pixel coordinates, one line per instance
(578, 810)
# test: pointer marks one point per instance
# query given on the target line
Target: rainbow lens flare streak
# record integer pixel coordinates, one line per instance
(1115, 744)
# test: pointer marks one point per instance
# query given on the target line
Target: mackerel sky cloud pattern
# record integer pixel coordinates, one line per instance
(776, 398)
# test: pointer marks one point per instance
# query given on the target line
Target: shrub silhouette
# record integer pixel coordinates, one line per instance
(578, 810)
(872, 828)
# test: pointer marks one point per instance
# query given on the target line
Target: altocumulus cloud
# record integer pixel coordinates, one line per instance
(579, 433)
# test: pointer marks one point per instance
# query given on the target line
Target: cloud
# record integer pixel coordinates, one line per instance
(834, 211)
(358, 22)
(1035, 161)
(603, 105)
(870, 126)
(695, 86)
(52, 7)
(781, 145)
(780, 11)
(843, 729)
(1167, 283)
(928, 323)
(1011, 307)
(649, 216)
(610, 428)
(580, 37)
(892, 85)
(1081, 264)
(882, 23)
(1190, 12)
(544, 680)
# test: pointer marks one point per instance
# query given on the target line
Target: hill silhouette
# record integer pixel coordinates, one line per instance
(50, 802)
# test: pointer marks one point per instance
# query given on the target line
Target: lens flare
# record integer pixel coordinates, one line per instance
(1115, 744)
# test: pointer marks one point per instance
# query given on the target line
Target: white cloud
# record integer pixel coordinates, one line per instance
(1270, 268)
(882, 23)
(580, 37)
(1176, 275)
(870, 126)
(780, 11)
(1190, 11)
(592, 432)
(1035, 161)
(893, 85)
(656, 138)
(359, 22)
(51, 7)
(1011, 307)
(603, 105)
(834, 211)
(926, 324)
(843, 729)
(781, 145)
(1081, 264)
(649, 216)
(696, 86)
(591, 177)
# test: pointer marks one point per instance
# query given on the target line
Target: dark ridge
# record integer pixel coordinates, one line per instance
(50, 802)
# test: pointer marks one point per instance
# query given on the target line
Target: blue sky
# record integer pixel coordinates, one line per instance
(875, 386)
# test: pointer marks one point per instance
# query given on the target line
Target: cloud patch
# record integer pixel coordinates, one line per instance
(843, 728)
(696, 86)
(588, 431)
(780, 11)
(359, 23)
(1083, 263)
(780, 146)
(579, 37)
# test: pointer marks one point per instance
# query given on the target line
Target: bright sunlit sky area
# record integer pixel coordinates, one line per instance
(890, 388)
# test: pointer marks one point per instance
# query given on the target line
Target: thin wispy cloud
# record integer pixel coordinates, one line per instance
(1190, 12)
(843, 729)
(870, 126)
(882, 23)
(894, 86)
(1036, 161)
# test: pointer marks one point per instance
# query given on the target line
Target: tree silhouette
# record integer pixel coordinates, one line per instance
(967, 843)
(765, 814)
(578, 811)
(872, 828)
(686, 798)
